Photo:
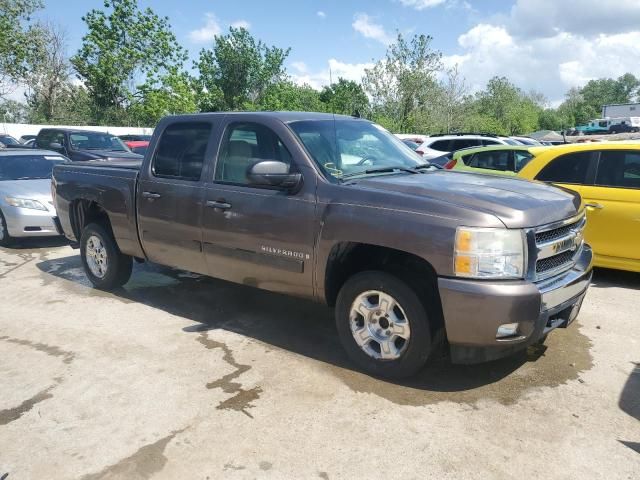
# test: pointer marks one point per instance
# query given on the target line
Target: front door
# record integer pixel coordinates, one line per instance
(171, 194)
(613, 209)
(262, 237)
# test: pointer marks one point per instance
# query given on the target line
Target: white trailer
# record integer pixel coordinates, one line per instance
(621, 110)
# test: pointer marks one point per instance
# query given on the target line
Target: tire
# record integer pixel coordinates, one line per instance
(5, 238)
(408, 355)
(107, 268)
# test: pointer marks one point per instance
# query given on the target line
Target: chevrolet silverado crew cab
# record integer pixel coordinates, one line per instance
(338, 210)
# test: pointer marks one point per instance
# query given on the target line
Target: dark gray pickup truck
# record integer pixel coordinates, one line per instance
(338, 210)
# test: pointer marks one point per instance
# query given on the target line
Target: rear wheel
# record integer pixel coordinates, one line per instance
(105, 265)
(5, 238)
(383, 325)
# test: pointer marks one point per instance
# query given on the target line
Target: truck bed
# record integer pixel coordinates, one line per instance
(80, 187)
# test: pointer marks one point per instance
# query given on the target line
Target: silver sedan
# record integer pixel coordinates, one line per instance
(26, 206)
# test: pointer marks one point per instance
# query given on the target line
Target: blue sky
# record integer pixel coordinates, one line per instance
(543, 45)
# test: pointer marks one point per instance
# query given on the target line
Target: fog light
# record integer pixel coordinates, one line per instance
(507, 330)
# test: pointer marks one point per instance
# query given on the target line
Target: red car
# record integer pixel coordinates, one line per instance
(138, 146)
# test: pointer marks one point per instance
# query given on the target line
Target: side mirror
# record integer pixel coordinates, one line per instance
(55, 146)
(271, 173)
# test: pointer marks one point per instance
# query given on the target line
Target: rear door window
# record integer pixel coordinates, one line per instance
(493, 160)
(441, 145)
(571, 168)
(181, 151)
(460, 143)
(619, 169)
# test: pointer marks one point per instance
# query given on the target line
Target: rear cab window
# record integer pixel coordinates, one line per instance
(181, 150)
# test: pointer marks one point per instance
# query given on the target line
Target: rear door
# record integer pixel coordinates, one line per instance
(170, 195)
(613, 207)
(258, 236)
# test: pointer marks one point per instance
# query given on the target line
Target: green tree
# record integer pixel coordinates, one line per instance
(173, 95)
(603, 91)
(403, 85)
(512, 110)
(13, 112)
(237, 71)
(287, 96)
(345, 97)
(48, 79)
(18, 39)
(125, 47)
(451, 102)
(575, 109)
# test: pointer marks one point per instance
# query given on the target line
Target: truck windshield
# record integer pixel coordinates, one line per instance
(28, 167)
(96, 141)
(347, 148)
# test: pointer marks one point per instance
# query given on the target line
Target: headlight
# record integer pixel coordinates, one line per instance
(25, 203)
(489, 253)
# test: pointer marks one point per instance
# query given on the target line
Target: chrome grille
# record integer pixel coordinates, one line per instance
(554, 234)
(552, 263)
(558, 245)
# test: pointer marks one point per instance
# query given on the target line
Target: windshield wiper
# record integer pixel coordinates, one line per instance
(381, 170)
(428, 165)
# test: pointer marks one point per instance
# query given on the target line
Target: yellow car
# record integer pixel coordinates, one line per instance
(607, 175)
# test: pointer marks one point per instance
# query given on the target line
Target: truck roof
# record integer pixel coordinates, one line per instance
(284, 117)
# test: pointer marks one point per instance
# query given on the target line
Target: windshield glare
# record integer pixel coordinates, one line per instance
(96, 141)
(351, 147)
(28, 167)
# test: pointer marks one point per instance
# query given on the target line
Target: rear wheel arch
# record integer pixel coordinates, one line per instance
(85, 212)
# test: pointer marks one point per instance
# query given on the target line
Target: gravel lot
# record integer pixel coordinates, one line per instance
(182, 376)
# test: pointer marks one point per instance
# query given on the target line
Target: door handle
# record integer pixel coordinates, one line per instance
(597, 206)
(220, 205)
(151, 195)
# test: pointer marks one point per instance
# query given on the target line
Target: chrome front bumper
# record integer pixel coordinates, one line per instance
(474, 310)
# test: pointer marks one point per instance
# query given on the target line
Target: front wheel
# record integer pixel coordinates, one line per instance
(5, 238)
(105, 265)
(383, 325)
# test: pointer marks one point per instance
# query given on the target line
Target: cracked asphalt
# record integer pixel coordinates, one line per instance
(182, 376)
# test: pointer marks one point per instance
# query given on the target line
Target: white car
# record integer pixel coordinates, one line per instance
(437, 145)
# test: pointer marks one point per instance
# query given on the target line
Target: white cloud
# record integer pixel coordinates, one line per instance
(365, 25)
(212, 28)
(550, 64)
(335, 69)
(208, 32)
(422, 4)
(301, 67)
(321, 14)
(241, 24)
(547, 18)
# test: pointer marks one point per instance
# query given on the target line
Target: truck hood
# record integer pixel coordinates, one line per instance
(517, 203)
(106, 154)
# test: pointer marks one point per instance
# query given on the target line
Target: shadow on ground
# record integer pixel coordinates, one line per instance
(630, 397)
(35, 243)
(607, 278)
(307, 329)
